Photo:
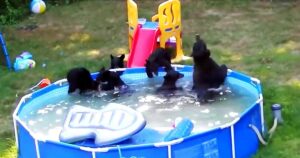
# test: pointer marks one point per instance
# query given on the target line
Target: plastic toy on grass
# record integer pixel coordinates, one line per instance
(163, 31)
(24, 61)
(25, 55)
(37, 6)
(24, 64)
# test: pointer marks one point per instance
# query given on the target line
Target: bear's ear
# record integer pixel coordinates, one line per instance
(198, 37)
(122, 56)
(208, 53)
(111, 56)
(180, 75)
(102, 69)
(192, 54)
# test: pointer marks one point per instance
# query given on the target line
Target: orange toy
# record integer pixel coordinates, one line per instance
(44, 83)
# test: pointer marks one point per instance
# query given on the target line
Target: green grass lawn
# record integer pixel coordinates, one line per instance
(259, 38)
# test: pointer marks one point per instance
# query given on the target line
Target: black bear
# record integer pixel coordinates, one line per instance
(170, 80)
(207, 74)
(161, 57)
(109, 80)
(80, 78)
(117, 62)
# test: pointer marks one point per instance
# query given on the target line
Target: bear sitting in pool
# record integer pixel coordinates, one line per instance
(208, 76)
(170, 80)
(161, 57)
(80, 78)
(110, 80)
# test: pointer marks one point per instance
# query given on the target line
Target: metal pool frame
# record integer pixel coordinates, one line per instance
(232, 140)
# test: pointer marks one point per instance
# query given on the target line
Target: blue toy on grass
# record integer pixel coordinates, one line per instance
(24, 61)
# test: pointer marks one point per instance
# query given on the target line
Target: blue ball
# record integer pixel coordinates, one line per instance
(37, 6)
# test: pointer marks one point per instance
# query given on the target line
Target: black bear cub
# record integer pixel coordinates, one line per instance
(170, 80)
(161, 57)
(117, 62)
(109, 80)
(207, 74)
(80, 78)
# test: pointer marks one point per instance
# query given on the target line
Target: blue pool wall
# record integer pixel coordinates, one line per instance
(232, 140)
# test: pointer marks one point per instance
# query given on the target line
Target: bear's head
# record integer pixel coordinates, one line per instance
(104, 75)
(173, 75)
(151, 68)
(170, 80)
(117, 62)
(200, 51)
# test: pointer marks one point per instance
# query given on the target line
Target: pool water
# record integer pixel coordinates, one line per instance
(45, 115)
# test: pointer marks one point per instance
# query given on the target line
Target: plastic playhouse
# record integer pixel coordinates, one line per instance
(163, 29)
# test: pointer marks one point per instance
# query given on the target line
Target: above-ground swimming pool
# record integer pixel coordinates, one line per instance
(221, 127)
